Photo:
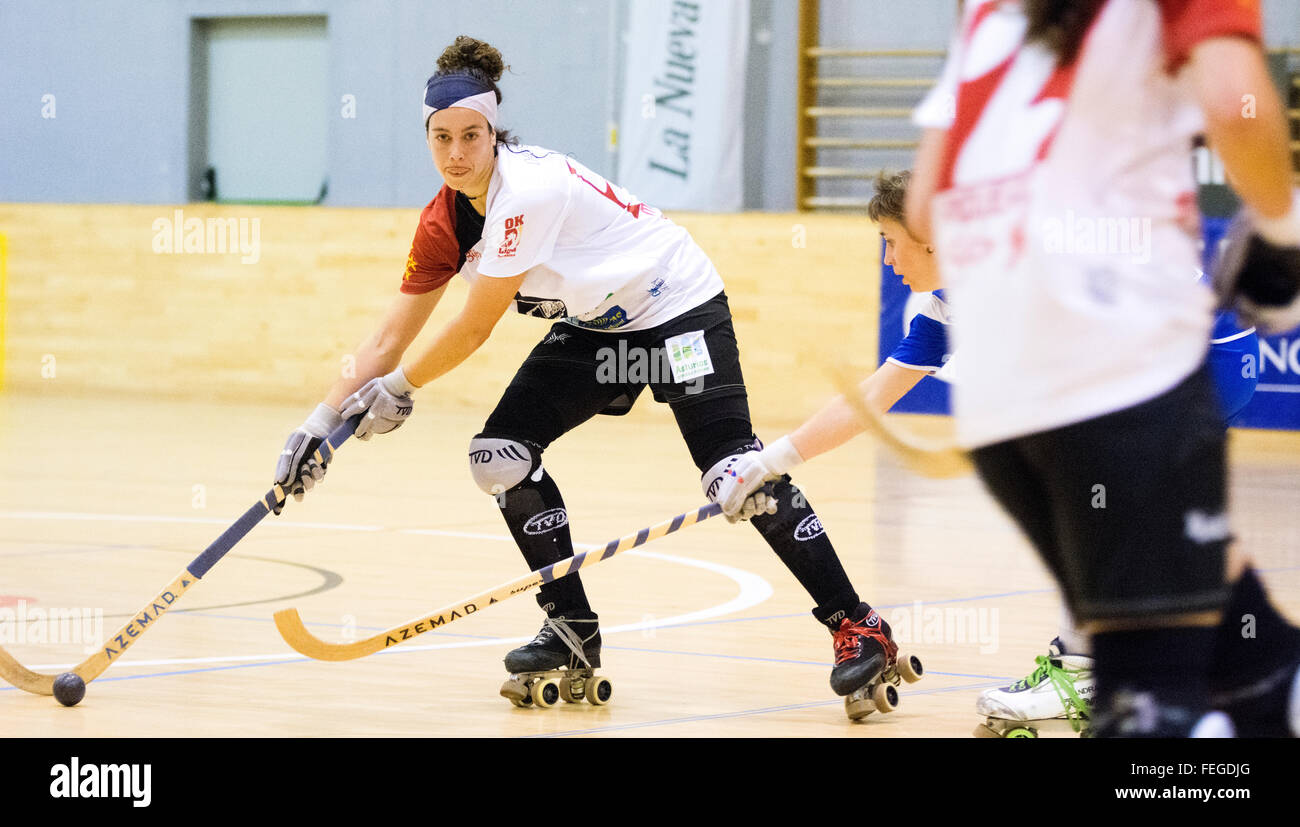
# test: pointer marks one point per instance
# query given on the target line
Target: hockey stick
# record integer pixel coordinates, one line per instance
(925, 457)
(94, 666)
(296, 635)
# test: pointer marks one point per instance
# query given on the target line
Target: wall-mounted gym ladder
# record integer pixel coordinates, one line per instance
(842, 144)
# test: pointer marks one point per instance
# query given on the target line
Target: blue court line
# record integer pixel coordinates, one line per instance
(723, 715)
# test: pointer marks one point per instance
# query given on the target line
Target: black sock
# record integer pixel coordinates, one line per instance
(537, 519)
(1152, 682)
(1253, 640)
(1254, 663)
(798, 538)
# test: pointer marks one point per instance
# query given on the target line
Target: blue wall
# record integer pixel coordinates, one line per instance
(120, 76)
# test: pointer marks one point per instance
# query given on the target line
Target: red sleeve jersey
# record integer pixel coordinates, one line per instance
(449, 228)
(1188, 22)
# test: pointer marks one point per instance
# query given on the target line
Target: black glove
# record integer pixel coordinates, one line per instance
(1258, 279)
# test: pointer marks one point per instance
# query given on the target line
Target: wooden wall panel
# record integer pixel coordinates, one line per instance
(93, 304)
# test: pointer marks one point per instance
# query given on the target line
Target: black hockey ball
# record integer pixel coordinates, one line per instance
(69, 689)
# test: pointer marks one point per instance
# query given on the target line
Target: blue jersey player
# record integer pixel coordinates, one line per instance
(1059, 688)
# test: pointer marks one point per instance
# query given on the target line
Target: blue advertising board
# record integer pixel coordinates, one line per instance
(1276, 403)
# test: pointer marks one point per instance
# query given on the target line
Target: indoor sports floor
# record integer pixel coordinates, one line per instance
(104, 499)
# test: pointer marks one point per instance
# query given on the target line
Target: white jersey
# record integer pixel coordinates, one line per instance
(594, 256)
(1065, 221)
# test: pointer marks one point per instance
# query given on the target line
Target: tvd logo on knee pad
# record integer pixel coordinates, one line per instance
(809, 528)
(548, 520)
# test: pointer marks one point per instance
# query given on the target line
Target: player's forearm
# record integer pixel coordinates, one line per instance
(826, 430)
(382, 351)
(450, 346)
(1245, 121)
(370, 360)
(836, 423)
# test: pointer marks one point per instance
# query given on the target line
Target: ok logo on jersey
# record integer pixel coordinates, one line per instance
(511, 243)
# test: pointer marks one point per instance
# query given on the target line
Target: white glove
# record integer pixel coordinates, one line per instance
(297, 469)
(736, 482)
(386, 402)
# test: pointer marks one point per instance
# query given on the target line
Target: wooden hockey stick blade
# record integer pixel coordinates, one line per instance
(92, 667)
(296, 635)
(925, 457)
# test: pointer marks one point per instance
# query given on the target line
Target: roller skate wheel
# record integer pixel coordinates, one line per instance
(599, 690)
(546, 693)
(1021, 732)
(909, 666)
(885, 697)
(571, 690)
(857, 708)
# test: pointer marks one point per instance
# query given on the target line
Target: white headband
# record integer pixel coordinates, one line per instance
(484, 103)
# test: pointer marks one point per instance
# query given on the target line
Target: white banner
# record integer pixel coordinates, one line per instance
(682, 129)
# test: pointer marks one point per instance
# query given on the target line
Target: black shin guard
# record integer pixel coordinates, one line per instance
(535, 514)
(798, 538)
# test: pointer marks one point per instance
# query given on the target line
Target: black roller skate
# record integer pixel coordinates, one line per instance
(868, 668)
(558, 665)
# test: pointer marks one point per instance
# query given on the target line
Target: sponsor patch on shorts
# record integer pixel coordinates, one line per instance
(688, 356)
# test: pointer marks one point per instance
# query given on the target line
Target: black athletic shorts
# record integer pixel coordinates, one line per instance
(1128, 510)
(575, 373)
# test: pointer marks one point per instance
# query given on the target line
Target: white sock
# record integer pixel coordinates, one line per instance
(1074, 641)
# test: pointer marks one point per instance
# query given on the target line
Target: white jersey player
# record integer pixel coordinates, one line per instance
(1063, 216)
(538, 232)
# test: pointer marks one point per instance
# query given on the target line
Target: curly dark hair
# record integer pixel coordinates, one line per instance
(481, 61)
(1061, 25)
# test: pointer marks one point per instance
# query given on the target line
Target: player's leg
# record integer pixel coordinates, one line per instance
(1063, 678)
(1255, 670)
(1059, 688)
(1255, 676)
(712, 413)
(554, 391)
(1138, 502)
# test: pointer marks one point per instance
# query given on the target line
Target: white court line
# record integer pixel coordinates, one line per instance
(159, 518)
(753, 591)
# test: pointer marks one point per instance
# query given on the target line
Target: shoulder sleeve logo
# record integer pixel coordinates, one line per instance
(511, 243)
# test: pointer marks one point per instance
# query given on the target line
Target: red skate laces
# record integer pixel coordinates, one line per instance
(848, 639)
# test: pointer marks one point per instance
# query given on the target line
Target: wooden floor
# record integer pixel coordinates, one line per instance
(103, 500)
